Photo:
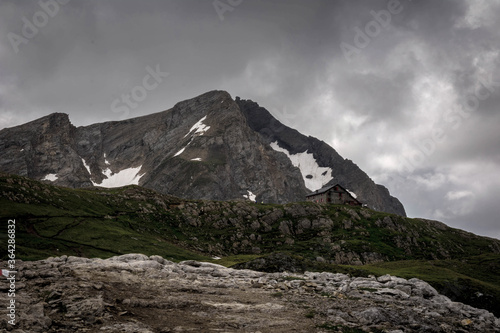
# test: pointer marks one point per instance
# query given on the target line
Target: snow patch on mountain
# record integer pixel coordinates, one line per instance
(86, 166)
(129, 176)
(181, 151)
(199, 127)
(105, 160)
(51, 176)
(352, 193)
(314, 176)
(250, 196)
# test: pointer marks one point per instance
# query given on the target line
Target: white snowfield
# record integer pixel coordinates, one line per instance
(308, 167)
(128, 176)
(352, 193)
(51, 176)
(250, 196)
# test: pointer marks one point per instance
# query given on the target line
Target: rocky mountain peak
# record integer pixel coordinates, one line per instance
(53, 120)
(206, 147)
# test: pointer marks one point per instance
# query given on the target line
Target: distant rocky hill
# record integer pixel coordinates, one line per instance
(207, 147)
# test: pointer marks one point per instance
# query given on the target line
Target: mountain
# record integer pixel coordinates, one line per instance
(207, 147)
(327, 167)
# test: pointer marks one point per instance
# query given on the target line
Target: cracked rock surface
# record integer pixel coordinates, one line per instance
(137, 293)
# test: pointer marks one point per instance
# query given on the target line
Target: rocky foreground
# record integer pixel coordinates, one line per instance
(136, 293)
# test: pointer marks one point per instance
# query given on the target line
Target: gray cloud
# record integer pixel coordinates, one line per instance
(382, 109)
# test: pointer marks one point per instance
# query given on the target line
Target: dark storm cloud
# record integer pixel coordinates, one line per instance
(381, 107)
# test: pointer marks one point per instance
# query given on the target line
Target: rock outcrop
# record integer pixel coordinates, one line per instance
(207, 147)
(136, 293)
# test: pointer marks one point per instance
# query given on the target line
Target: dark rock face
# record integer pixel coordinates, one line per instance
(208, 147)
(39, 147)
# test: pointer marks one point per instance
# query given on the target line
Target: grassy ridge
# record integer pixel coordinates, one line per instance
(103, 222)
(472, 280)
(94, 222)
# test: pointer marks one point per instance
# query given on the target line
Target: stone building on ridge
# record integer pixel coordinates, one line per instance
(334, 194)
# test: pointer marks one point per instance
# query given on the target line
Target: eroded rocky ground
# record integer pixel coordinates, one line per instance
(136, 293)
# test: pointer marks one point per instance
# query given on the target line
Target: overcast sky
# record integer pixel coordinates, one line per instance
(408, 90)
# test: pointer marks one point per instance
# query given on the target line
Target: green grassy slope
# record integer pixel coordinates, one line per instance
(52, 221)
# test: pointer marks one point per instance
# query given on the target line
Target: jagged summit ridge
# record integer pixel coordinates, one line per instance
(207, 147)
